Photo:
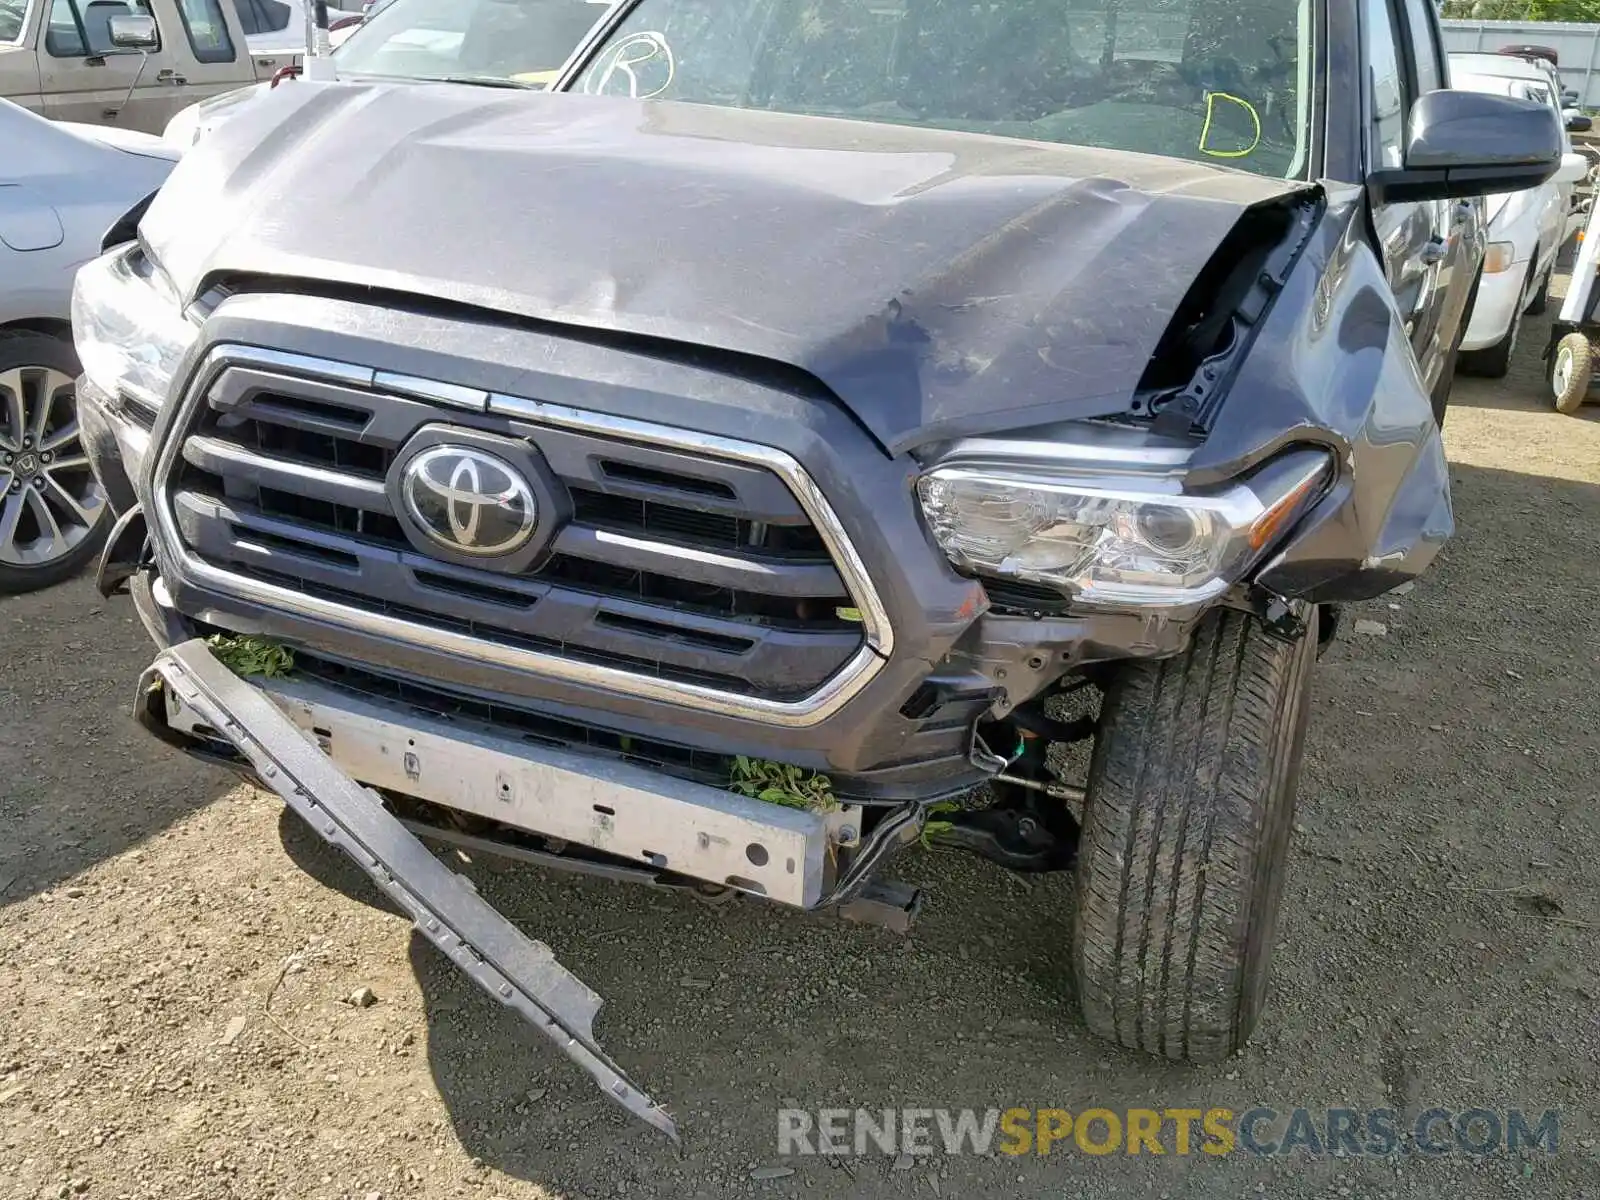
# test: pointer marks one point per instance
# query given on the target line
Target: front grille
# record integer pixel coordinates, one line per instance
(674, 565)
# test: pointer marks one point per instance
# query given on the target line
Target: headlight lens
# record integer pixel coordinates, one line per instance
(1114, 542)
(129, 326)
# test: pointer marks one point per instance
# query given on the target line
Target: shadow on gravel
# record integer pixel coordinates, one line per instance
(1525, 390)
(79, 781)
(678, 976)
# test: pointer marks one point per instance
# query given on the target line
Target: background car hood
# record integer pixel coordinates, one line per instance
(938, 283)
(131, 140)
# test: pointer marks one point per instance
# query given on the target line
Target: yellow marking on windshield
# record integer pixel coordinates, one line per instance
(1205, 132)
(544, 77)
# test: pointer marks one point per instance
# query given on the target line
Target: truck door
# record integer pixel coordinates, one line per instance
(83, 77)
(19, 66)
(217, 56)
(1456, 222)
(1413, 236)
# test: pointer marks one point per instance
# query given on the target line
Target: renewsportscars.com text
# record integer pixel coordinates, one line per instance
(1261, 1131)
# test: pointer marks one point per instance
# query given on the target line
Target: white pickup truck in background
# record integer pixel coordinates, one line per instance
(59, 58)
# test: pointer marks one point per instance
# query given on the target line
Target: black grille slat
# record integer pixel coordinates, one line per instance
(699, 570)
(289, 475)
(312, 416)
(665, 481)
(658, 475)
(668, 521)
(498, 634)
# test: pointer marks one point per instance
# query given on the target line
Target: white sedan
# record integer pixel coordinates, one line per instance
(1526, 229)
(61, 188)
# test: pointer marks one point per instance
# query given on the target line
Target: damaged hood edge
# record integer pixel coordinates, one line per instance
(939, 284)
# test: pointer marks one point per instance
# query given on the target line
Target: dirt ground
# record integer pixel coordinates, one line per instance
(173, 965)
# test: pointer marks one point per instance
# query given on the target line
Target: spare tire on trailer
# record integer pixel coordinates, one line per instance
(1571, 372)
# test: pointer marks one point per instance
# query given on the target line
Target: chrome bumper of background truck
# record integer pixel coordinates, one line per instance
(520, 973)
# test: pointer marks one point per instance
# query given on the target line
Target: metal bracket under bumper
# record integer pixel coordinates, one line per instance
(520, 973)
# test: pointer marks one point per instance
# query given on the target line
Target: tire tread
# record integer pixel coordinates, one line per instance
(1191, 787)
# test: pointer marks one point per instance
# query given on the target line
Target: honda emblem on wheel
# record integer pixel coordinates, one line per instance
(469, 501)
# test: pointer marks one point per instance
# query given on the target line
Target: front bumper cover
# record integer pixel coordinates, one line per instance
(520, 973)
(1499, 297)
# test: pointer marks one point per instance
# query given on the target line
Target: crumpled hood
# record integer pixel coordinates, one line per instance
(938, 283)
(189, 125)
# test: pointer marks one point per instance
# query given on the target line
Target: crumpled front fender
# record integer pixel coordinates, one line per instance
(1333, 367)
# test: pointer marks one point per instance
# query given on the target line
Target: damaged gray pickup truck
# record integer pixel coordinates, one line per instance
(722, 473)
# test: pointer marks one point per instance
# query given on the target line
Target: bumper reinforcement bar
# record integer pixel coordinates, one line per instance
(520, 973)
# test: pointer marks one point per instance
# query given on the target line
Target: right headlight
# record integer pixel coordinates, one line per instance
(1115, 541)
(129, 326)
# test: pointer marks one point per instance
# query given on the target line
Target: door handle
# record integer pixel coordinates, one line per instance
(168, 75)
(1433, 253)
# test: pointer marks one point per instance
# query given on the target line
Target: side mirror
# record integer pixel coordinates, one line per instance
(1463, 144)
(134, 31)
(1578, 122)
(1568, 96)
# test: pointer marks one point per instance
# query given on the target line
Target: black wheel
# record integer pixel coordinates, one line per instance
(1540, 304)
(1493, 362)
(53, 513)
(1571, 372)
(1186, 830)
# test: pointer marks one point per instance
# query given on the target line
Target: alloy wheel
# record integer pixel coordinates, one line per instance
(49, 498)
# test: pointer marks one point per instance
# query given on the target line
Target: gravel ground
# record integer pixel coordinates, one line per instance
(175, 970)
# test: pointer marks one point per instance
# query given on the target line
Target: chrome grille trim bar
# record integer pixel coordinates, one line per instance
(810, 710)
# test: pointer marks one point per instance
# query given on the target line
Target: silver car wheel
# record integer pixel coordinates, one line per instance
(49, 498)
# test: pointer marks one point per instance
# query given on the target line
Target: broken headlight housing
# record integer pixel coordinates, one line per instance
(129, 326)
(1116, 541)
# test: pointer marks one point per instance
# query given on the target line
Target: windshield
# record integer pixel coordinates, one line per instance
(515, 41)
(1223, 81)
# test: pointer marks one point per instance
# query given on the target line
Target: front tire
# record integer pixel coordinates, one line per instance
(1494, 362)
(1185, 835)
(53, 513)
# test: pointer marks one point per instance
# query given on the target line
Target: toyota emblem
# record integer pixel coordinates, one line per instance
(469, 501)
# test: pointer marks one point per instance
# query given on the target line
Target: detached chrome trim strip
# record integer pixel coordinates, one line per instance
(810, 710)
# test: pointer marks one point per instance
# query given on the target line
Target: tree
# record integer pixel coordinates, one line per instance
(1582, 11)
